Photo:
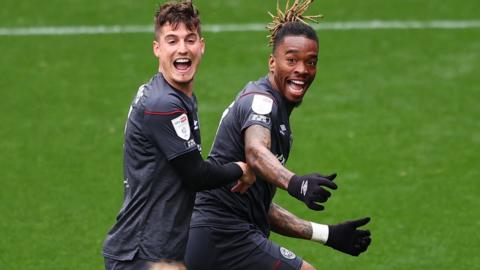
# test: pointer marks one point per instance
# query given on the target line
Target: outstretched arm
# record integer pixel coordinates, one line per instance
(285, 223)
(344, 237)
(308, 188)
(261, 160)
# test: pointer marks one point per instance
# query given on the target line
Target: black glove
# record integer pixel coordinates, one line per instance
(346, 238)
(310, 189)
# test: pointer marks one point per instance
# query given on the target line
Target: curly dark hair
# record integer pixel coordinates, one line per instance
(174, 13)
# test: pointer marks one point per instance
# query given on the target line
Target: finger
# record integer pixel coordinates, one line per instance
(321, 195)
(360, 222)
(362, 249)
(243, 189)
(331, 176)
(237, 187)
(327, 183)
(366, 241)
(363, 233)
(317, 207)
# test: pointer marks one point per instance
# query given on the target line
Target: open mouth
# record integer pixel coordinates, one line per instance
(296, 86)
(182, 64)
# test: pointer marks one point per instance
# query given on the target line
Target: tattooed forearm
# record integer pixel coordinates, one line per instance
(259, 157)
(286, 223)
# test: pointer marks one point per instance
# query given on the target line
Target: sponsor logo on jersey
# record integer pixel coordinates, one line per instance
(262, 104)
(287, 254)
(190, 143)
(182, 128)
(260, 118)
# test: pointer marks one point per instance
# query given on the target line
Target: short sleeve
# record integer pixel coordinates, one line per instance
(170, 129)
(255, 109)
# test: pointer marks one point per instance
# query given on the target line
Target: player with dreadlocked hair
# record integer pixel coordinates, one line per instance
(230, 230)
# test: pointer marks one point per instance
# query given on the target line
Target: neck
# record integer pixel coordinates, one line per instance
(271, 79)
(186, 88)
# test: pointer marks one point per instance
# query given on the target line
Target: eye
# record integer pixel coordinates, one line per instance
(171, 41)
(291, 61)
(312, 62)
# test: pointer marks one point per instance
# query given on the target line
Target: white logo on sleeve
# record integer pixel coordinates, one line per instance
(262, 104)
(304, 187)
(287, 253)
(182, 128)
(283, 129)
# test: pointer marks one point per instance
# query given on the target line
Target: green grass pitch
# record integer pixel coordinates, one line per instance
(394, 112)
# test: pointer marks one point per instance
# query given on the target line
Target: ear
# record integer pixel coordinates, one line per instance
(202, 42)
(156, 49)
(271, 63)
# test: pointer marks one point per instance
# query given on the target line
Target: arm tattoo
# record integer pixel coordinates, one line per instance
(264, 163)
(286, 223)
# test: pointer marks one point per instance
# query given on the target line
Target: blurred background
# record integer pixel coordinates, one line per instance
(394, 111)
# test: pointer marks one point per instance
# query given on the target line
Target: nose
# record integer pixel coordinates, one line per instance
(182, 47)
(301, 68)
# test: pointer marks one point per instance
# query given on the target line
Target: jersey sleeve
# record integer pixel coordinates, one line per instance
(255, 109)
(170, 129)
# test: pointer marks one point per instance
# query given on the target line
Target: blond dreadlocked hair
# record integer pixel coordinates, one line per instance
(293, 13)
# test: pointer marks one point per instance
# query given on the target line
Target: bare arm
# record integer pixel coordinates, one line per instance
(286, 223)
(261, 160)
(345, 237)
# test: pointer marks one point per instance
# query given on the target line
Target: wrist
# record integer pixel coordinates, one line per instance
(242, 166)
(293, 186)
(320, 232)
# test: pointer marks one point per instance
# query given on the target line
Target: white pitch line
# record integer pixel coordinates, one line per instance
(251, 27)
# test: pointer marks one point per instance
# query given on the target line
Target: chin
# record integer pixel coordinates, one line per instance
(295, 98)
(183, 78)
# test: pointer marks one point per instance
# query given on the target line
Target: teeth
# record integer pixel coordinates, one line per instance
(183, 60)
(298, 82)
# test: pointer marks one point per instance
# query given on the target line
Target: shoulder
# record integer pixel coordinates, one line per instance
(158, 96)
(256, 98)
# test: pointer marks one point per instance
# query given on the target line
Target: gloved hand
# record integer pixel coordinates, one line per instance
(311, 189)
(345, 237)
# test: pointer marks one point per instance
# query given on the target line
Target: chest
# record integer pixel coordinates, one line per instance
(281, 137)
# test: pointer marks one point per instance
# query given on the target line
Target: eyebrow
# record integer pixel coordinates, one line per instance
(292, 51)
(297, 51)
(176, 36)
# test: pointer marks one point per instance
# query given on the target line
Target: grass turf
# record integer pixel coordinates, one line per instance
(394, 112)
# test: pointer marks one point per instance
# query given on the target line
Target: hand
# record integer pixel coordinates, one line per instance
(246, 180)
(345, 237)
(310, 189)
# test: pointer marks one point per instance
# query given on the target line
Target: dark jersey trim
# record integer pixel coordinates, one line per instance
(260, 93)
(164, 113)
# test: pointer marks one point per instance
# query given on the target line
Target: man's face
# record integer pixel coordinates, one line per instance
(293, 66)
(179, 52)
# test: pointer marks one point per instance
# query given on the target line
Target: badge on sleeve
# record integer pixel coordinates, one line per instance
(287, 254)
(182, 128)
(262, 104)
